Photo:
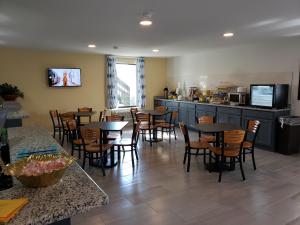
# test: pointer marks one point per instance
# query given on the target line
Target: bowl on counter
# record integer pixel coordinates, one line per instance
(39, 170)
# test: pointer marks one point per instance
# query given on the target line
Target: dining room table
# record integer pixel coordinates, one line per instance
(106, 127)
(217, 129)
(154, 114)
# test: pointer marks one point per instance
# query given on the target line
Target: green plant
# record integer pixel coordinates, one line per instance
(9, 89)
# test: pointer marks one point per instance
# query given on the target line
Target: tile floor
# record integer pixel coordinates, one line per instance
(159, 191)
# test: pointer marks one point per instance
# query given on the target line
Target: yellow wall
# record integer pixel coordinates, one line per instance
(28, 70)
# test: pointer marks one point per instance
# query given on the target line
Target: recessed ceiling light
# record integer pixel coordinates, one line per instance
(146, 22)
(92, 46)
(155, 50)
(146, 19)
(229, 34)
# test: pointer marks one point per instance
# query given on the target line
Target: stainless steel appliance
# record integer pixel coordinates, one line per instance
(237, 98)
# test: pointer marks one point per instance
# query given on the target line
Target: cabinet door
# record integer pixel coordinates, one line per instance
(183, 115)
(191, 114)
(228, 118)
(200, 113)
(159, 103)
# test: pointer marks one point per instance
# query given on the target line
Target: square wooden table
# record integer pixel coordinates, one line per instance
(154, 114)
(105, 127)
(217, 129)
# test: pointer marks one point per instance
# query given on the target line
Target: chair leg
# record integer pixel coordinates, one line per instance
(221, 168)
(132, 157)
(72, 151)
(102, 164)
(54, 132)
(241, 167)
(119, 153)
(150, 138)
(204, 156)
(79, 151)
(184, 158)
(244, 155)
(189, 160)
(136, 154)
(84, 156)
(63, 139)
(59, 133)
(253, 159)
(174, 133)
(169, 135)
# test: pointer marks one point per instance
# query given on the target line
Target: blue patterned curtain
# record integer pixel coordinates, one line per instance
(140, 73)
(111, 82)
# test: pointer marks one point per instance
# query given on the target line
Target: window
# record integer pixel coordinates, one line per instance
(126, 84)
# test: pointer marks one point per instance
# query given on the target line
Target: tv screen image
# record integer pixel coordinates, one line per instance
(262, 95)
(64, 77)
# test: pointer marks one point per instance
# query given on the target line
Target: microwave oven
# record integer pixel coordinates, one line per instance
(237, 98)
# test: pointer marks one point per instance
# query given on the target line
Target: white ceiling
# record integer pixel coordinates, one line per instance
(179, 26)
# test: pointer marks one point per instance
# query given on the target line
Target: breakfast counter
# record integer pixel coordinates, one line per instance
(75, 193)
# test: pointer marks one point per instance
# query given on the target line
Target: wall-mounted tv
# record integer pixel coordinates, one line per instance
(64, 77)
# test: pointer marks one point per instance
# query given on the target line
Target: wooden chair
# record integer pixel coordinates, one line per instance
(55, 123)
(96, 150)
(133, 111)
(85, 109)
(232, 147)
(192, 145)
(75, 138)
(169, 127)
(127, 142)
(102, 115)
(115, 117)
(162, 109)
(145, 125)
(64, 117)
(248, 145)
(206, 120)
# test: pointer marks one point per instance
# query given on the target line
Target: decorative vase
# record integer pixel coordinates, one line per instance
(9, 97)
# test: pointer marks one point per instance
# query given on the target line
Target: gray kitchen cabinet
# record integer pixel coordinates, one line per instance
(266, 137)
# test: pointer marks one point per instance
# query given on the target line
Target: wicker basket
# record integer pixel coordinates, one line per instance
(43, 180)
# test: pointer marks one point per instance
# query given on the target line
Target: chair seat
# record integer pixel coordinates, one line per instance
(160, 121)
(147, 126)
(166, 125)
(208, 138)
(79, 141)
(199, 145)
(247, 144)
(94, 148)
(122, 142)
(228, 152)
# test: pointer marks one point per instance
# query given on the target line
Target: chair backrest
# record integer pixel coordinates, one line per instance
(71, 124)
(135, 132)
(85, 109)
(133, 111)
(205, 120)
(143, 117)
(174, 116)
(161, 108)
(54, 117)
(252, 130)
(72, 128)
(64, 117)
(185, 132)
(102, 115)
(115, 117)
(89, 134)
(233, 139)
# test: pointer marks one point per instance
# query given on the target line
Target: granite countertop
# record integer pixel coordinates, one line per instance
(230, 106)
(75, 193)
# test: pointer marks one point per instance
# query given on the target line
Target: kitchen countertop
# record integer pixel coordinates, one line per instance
(75, 193)
(231, 106)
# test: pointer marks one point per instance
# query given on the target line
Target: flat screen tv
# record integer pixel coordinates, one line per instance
(64, 77)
